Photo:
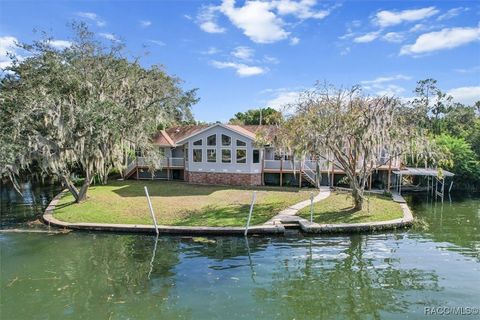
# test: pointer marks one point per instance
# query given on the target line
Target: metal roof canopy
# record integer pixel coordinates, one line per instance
(422, 172)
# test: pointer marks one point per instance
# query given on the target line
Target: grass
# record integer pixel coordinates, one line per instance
(176, 203)
(338, 208)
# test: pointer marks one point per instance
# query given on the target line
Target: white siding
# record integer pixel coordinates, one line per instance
(218, 166)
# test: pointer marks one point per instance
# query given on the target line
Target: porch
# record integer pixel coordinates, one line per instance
(169, 165)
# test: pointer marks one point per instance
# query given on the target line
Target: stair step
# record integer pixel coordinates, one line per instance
(291, 225)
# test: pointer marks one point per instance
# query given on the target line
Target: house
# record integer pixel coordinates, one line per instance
(231, 154)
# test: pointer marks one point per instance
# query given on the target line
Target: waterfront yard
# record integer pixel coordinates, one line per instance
(338, 208)
(177, 203)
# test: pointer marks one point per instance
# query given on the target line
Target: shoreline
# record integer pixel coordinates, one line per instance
(268, 228)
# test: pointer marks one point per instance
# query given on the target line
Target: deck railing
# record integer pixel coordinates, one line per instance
(289, 165)
(131, 166)
(163, 163)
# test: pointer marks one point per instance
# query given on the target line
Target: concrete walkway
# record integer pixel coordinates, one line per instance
(289, 215)
(398, 198)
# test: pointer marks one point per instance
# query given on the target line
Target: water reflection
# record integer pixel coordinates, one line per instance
(119, 276)
(357, 278)
(453, 225)
(16, 210)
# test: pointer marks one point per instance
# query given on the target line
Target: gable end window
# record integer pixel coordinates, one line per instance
(241, 143)
(212, 140)
(226, 140)
(197, 143)
(197, 155)
(241, 156)
(226, 156)
(211, 155)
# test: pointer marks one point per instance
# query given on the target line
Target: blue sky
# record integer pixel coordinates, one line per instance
(250, 54)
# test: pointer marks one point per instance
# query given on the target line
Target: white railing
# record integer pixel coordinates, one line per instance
(312, 175)
(272, 164)
(176, 162)
(141, 161)
(291, 165)
(163, 163)
(288, 165)
(132, 165)
(310, 165)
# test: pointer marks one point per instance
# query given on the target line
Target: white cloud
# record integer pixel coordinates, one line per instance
(243, 53)
(145, 23)
(256, 20)
(211, 27)
(465, 95)
(473, 69)
(368, 37)
(380, 80)
(447, 38)
(347, 35)
(419, 27)
(158, 42)
(301, 9)
(395, 37)
(187, 16)
(210, 51)
(261, 21)
(241, 69)
(207, 19)
(452, 13)
(294, 41)
(269, 59)
(60, 44)
(387, 18)
(385, 86)
(109, 36)
(93, 17)
(390, 90)
(345, 51)
(7, 45)
(282, 99)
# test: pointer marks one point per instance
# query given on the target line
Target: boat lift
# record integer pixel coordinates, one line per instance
(436, 180)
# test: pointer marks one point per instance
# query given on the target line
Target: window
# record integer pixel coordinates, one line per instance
(197, 143)
(241, 143)
(212, 140)
(256, 156)
(197, 155)
(226, 155)
(226, 140)
(241, 156)
(186, 154)
(211, 155)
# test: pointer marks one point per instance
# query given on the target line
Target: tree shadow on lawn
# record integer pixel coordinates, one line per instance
(343, 216)
(132, 188)
(229, 216)
(64, 205)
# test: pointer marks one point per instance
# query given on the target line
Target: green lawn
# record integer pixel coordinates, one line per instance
(177, 203)
(338, 208)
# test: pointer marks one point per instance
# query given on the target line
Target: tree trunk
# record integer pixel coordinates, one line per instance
(70, 186)
(357, 197)
(82, 194)
(105, 177)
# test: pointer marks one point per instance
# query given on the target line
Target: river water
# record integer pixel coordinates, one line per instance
(407, 274)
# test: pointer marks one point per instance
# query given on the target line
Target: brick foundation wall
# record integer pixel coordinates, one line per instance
(237, 179)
